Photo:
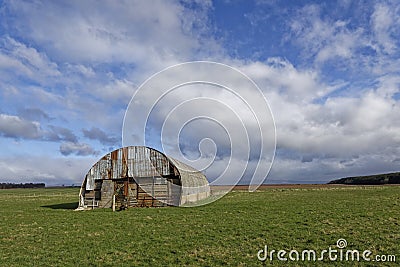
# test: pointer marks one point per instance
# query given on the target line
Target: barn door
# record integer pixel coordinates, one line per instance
(125, 194)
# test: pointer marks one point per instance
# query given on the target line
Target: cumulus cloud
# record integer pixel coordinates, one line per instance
(78, 149)
(318, 128)
(324, 40)
(361, 45)
(80, 70)
(25, 61)
(57, 133)
(20, 128)
(48, 169)
(85, 71)
(116, 91)
(385, 21)
(97, 134)
(88, 68)
(88, 35)
(339, 134)
(279, 75)
(15, 127)
(33, 114)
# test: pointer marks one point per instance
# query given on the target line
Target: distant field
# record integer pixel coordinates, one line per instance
(38, 227)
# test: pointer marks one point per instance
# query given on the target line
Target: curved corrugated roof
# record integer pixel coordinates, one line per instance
(141, 161)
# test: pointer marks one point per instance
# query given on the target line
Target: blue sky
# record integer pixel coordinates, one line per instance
(329, 70)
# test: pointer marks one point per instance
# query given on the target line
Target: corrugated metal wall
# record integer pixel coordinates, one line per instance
(157, 175)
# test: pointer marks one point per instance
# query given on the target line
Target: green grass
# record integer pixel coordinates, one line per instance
(40, 228)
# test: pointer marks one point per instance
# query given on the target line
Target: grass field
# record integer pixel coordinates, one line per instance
(40, 228)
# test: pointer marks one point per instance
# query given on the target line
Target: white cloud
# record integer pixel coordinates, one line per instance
(51, 170)
(323, 169)
(33, 114)
(132, 32)
(385, 21)
(26, 61)
(281, 76)
(58, 133)
(8, 63)
(83, 61)
(15, 127)
(116, 91)
(86, 71)
(97, 134)
(20, 128)
(362, 45)
(86, 59)
(320, 134)
(79, 149)
(325, 39)
(316, 126)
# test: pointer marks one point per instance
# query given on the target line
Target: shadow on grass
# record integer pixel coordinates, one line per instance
(62, 206)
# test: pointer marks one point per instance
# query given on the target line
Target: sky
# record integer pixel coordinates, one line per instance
(330, 71)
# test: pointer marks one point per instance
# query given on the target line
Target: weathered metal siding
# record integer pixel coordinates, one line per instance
(157, 176)
(130, 162)
(194, 184)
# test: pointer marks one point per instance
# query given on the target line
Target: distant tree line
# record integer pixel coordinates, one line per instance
(21, 185)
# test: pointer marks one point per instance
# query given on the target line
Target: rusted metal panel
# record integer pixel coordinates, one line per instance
(160, 162)
(154, 174)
